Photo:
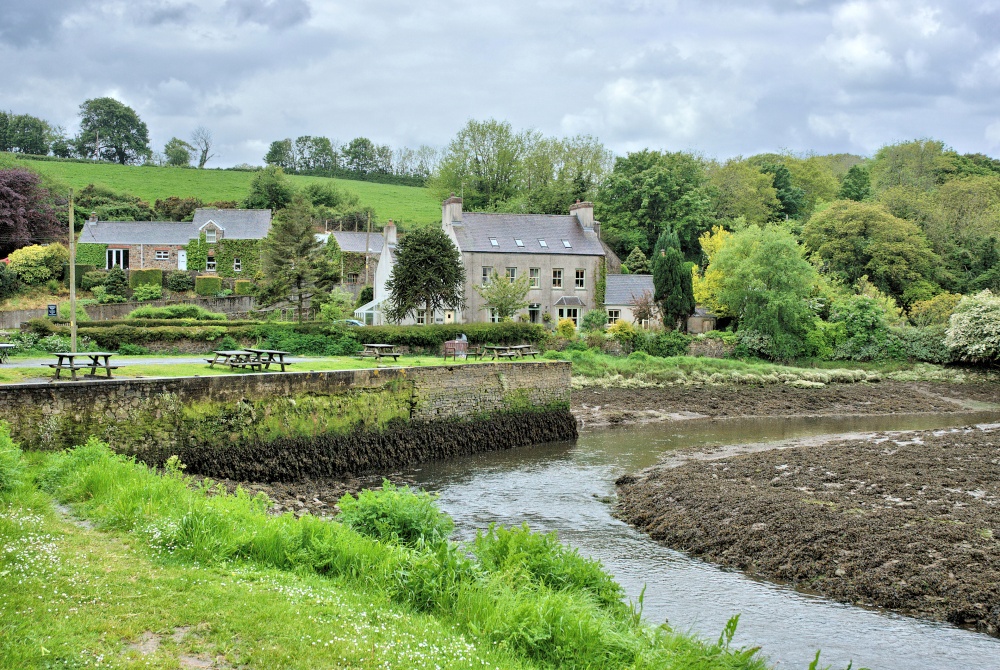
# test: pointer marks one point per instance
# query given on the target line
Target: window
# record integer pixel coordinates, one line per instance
(557, 278)
(494, 242)
(534, 312)
(535, 277)
(421, 317)
(518, 242)
(210, 235)
(511, 275)
(237, 265)
(614, 315)
(581, 278)
(570, 313)
(494, 315)
(117, 257)
(487, 273)
(352, 278)
(543, 244)
(210, 264)
(567, 244)
(162, 255)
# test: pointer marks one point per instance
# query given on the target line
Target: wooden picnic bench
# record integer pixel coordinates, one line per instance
(505, 350)
(379, 351)
(5, 349)
(236, 358)
(271, 356)
(65, 360)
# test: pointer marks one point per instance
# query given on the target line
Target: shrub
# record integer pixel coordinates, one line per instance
(180, 281)
(127, 349)
(207, 285)
(595, 319)
(397, 515)
(243, 287)
(566, 328)
(9, 283)
(10, 460)
(866, 333)
(80, 271)
(116, 283)
(934, 312)
(185, 311)
(102, 295)
(147, 292)
(92, 279)
(152, 277)
(919, 344)
(37, 264)
(81, 313)
(366, 295)
(667, 343)
(974, 329)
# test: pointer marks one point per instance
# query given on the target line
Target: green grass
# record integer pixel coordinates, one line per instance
(403, 204)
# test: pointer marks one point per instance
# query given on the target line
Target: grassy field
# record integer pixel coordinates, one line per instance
(403, 204)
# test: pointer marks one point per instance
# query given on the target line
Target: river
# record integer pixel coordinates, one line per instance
(566, 487)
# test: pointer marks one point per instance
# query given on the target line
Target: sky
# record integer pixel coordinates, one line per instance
(720, 78)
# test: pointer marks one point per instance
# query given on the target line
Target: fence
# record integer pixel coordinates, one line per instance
(236, 307)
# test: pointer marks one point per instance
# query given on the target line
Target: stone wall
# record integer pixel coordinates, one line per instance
(281, 426)
(235, 307)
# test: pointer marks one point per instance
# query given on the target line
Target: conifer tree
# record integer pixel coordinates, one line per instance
(672, 289)
(291, 255)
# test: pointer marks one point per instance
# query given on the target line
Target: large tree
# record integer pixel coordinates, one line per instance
(857, 184)
(111, 130)
(672, 288)
(740, 189)
(269, 189)
(292, 255)
(178, 152)
(203, 142)
(483, 162)
(27, 213)
(428, 274)
(24, 134)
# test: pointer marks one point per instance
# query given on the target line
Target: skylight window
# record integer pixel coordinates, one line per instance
(543, 244)
(494, 242)
(567, 244)
(518, 242)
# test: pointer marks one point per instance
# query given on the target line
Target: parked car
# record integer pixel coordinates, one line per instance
(351, 322)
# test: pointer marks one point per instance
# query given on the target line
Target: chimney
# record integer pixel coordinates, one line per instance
(93, 217)
(584, 213)
(390, 233)
(451, 211)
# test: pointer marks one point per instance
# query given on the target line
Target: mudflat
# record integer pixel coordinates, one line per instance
(904, 521)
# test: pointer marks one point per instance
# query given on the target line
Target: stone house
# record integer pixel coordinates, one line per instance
(562, 256)
(620, 294)
(218, 241)
(353, 246)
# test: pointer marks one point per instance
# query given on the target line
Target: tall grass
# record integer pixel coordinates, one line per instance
(516, 590)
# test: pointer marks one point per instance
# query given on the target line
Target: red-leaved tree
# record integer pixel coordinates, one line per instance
(27, 215)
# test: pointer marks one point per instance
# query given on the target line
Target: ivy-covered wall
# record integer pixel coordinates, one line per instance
(92, 254)
(197, 254)
(248, 251)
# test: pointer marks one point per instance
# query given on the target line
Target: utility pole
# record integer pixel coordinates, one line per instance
(368, 246)
(72, 278)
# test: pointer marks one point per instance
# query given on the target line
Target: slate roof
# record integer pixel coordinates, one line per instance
(475, 230)
(355, 241)
(570, 300)
(237, 224)
(619, 289)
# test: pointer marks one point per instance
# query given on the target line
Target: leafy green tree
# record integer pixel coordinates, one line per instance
(764, 282)
(648, 191)
(791, 198)
(112, 131)
(921, 164)
(672, 287)
(360, 155)
(974, 329)
(857, 184)
(281, 154)
(337, 306)
(38, 263)
(315, 154)
(291, 255)
(178, 152)
(23, 133)
(483, 162)
(740, 189)
(854, 239)
(116, 283)
(428, 274)
(505, 296)
(269, 189)
(637, 263)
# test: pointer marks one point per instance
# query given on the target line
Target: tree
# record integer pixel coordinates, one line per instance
(112, 206)
(281, 154)
(974, 328)
(854, 239)
(857, 184)
(764, 283)
(291, 255)
(24, 134)
(921, 164)
(643, 307)
(504, 296)
(27, 213)
(483, 163)
(38, 263)
(672, 288)
(707, 284)
(360, 156)
(110, 130)
(428, 274)
(637, 263)
(269, 189)
(791, 199)
(202, 140)
(178, 152)
(740, 189)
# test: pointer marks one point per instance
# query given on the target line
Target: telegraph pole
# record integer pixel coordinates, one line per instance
(72, 278)
(368, 246)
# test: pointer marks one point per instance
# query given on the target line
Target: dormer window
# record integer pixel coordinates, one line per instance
(210, 235)
(518, 242)
(494, 242)
(567, 244)
(543, 244)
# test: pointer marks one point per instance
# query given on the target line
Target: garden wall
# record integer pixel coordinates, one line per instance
(288, 426)
(236, 307)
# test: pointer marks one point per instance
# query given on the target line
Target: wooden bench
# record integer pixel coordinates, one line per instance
(253, 365)
(531, 353)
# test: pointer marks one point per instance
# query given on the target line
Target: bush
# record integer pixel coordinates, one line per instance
(152, 277)
(102, 296)
(10, 460)
(116, 283)
(366, 295)
(80, 271)
(934, 312)
(865, 334)
(93, 278)
(180, 281)
(566, 328)
(147, 292)
(127, 349)
(595, 319)
(974, 329)
(243, 287)
(186, 311)
(667, 343)
(919, 344)
(37, 264)
(81, 313)
(9, 283)
(431, 338)
(397, 515)
(207, 285)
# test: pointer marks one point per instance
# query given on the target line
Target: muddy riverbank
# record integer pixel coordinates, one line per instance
(599, 407)
(904, 521)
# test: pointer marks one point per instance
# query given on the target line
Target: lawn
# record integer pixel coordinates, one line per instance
(403, 204)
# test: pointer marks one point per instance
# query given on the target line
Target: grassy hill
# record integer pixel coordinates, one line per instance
(403, 204)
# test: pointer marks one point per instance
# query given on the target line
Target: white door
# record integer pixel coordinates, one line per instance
(182, 259)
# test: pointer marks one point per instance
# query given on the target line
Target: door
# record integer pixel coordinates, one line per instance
(182, 259)
(449, 316)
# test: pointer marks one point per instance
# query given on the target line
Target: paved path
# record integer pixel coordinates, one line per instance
(151, 360)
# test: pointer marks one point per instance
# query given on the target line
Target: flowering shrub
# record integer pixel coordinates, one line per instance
(974, 329)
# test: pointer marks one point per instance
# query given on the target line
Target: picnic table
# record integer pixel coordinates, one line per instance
(66, 360)
(379, 351)
(236, 358)
(509, 351)
(269, 356)
(5, 349)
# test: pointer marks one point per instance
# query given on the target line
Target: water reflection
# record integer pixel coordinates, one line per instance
(565, 487)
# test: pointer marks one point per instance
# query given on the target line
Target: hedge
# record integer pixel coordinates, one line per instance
(243, 287)
(173, 312)
(434, 336)
(80, 271)
(151, 277)
(92, 254)
(207, 285)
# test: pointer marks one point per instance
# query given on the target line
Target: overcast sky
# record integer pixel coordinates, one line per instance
(722, 78)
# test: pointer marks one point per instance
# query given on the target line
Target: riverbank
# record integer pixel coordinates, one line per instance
(904, 521)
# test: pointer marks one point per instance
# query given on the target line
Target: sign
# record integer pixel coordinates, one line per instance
(53, 310)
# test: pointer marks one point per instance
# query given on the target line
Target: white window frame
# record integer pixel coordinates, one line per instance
(161, 255)
(614, 315)
(211, 235)
(116, 257)
(511, 275)
(421, 317)
(494, 315)
(580, 280)
(237, 265)
(487, 274)
(557, 277)
(210, 264)
(535, 277)
(570, 313)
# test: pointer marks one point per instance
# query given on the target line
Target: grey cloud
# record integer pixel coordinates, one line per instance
(279, 14)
